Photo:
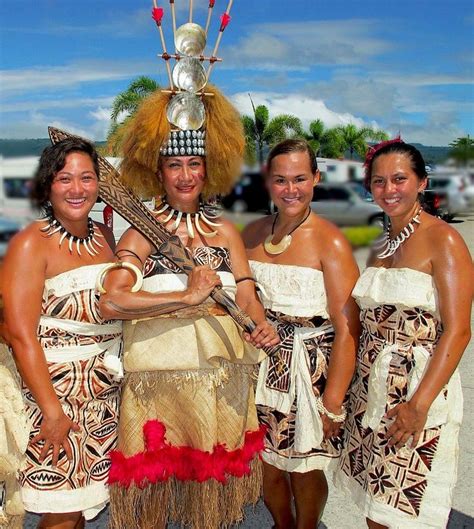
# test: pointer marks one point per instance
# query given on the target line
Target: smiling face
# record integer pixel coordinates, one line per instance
(74, 189)
(183, 180)
(395, 185)
(290, 182)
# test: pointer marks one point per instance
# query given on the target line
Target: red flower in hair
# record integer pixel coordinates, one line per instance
(372, 150)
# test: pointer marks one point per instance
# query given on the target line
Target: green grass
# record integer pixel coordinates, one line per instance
(360, 236)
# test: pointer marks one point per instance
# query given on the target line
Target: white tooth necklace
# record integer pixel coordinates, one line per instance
(389, 246)
(193, 220)
(276, 249)
(54, 226)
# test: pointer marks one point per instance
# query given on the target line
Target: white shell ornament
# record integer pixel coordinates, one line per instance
(189, 75)
(186, 111)
(190, 39)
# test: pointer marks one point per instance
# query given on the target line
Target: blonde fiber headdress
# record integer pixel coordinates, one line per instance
(191, 118)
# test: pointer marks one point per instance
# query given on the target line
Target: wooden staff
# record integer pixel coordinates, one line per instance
(209, 14)
(132, 209)
(190, 10)
(157, 15)
(225, 19)
(173, 17)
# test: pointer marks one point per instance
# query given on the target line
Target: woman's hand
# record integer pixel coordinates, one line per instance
(409, 421)
(264, 335)
(330, 427)
(54, 432)
(201, 282)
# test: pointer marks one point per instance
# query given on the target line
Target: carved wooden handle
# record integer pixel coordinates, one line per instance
(131, 208)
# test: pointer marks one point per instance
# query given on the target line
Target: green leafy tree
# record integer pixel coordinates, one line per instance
(127, 103)
(462, 150)
(261, 131)
(324, 142)
(355, 139)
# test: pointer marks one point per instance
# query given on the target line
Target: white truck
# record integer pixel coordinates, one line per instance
(15, 205)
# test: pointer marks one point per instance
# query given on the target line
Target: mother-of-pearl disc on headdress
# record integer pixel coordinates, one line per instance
(189, 75)
(186, 111)
(190, 39)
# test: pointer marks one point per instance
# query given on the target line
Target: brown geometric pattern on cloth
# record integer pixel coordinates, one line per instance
(280, 435)
(397, 478)
(278, 375)
(90, 397)
(81, 306)
(78, 306)
(218, 258)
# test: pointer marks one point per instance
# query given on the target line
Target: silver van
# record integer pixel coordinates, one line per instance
(346, 204)
(15, 184)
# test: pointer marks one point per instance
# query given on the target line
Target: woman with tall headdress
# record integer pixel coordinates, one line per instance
(188, 437)
(405, 408)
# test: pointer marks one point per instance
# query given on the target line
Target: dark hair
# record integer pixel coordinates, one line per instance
(293, 145)
(399, 147)
(52, 160)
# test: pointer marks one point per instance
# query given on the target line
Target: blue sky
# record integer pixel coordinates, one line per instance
(402, 65)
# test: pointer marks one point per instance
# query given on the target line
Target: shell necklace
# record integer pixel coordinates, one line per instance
(276, 249)
(389, 246)
(53, 226)
(204, 215)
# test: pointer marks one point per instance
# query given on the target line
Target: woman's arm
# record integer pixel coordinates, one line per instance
(246, 297)
(340, 275)
(119, 302)
(453, 278)
(24, 276)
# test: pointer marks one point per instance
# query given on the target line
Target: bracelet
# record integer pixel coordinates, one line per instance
(121, 264)
(334, 417)
(129, 253)
(245, 279)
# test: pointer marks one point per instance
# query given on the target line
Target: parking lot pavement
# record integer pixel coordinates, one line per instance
(340, 513)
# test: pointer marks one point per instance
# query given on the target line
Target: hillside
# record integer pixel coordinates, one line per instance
(33, 147)
(27, 147)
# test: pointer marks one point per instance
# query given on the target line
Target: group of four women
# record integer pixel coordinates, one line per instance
(364, 383)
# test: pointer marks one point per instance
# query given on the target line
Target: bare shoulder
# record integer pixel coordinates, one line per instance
(252, 233)
(442, 237)
(134, 240)
(331, 238)
(27, 246)
(107, 233)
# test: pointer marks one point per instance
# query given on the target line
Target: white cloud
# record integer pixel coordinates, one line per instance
(302, 106)
(53, 78)
(437, 130)
(299, 46)
(35, 125)
(84, 102)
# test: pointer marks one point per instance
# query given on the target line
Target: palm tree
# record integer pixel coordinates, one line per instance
(324, 142)
(355, 140)
(261, 131)
(462, 150)
(127, 102)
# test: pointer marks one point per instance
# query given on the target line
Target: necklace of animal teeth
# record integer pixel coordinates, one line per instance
(54, 226)
(193, 220)
(389, 246)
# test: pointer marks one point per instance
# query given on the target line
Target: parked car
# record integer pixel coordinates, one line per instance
(15, 183)
(249, 194)
(8, 228)
(450, 189)
(346, 204)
